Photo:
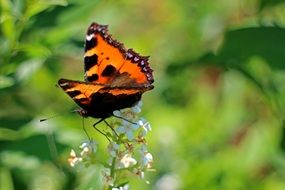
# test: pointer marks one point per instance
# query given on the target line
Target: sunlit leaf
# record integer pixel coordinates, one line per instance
(8, 21)
(35, 50)
(37, 6)
(6, 81)
(19, 159)
(27, 68)
(75, 14)
(6, 179)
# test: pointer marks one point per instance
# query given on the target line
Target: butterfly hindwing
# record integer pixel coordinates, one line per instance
(80, 92)
(99, 100)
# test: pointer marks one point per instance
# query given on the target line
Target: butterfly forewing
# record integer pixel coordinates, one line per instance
(105, 59)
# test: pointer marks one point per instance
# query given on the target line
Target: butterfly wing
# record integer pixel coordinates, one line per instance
(99, 100)
(106, 61)
(115, 78)
(80, 92)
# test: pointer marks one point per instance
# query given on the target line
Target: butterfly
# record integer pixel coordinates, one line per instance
(115, 77)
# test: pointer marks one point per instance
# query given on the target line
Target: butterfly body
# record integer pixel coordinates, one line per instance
(115, 78)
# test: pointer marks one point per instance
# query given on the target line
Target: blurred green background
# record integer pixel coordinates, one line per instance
(217, 110)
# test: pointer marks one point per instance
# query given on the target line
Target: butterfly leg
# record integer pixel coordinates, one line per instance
(119, 117)
(94, 125)
(111, 128)
(85, 129)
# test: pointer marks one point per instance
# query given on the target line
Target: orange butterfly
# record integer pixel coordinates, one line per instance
(115, 78)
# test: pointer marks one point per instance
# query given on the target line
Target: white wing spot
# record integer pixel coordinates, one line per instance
(64, 84)
(89, 37)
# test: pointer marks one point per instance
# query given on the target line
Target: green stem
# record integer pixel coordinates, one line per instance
(113, 167)
(112, 174)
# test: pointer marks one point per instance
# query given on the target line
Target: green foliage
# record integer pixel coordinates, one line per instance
(264, 42)
(265, 3)
(217, 110)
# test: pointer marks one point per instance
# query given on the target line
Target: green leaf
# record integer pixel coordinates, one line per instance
(6, 179)
(15, 121)
(6, 81)
(35, 50)
(37, 6)
(282, 140)
(265, 42)
(266, 3)
(265, 45)
(7, 21)
(9, 134)
(36, 145)
(28, 68)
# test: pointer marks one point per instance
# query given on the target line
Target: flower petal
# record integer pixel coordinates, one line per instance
(121, 129)
(117, 113)
(136, 109)
(130, 135)
(134, 126)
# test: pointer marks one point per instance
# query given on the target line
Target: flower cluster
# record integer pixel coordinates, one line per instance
(127, 149)
(88, 149)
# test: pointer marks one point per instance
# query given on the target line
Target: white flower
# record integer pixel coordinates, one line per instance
(107, 179)
(137, 107)
(126, 161)
(72, 153)
(147, 160)
(125, 187)
(138, 172)
(120, 129)
(128, 129)
(146, 157)
(88, 147)
(142, 123)
(143, 149)
(140, 103)
(73, 159)
(117, 113)
(127, 149)
(113, 148)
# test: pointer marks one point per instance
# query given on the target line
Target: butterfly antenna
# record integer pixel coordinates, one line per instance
(44, 119)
